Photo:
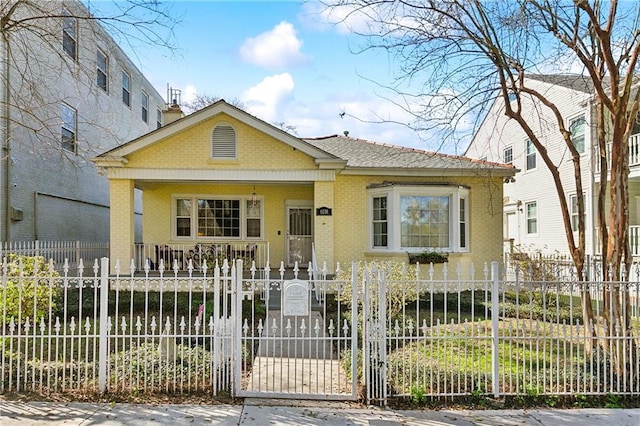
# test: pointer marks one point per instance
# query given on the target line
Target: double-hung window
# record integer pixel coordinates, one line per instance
(102, 76)
(126, 89)
(222, 218)
(69, 35)
(507, 155)
(69, 127)
(531, 214)
(530, 150)
(407, 217)
(380, 223)
(577, 128)
(573, 211)
(144, 100)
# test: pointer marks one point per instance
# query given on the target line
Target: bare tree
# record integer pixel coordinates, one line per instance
(201, 101)
(457, 57)
(37, 60)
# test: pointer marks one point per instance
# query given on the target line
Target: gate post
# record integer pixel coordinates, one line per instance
(495, 310)
(236, 317)
(104, 330)
(354, 328)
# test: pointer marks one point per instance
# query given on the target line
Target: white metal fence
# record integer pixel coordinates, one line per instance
(62, 252)
(398, 330)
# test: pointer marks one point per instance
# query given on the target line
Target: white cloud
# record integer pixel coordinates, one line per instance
(275, 49)
(189, 94)
(265, 99)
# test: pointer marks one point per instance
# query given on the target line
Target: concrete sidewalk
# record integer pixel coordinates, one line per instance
(262, 412)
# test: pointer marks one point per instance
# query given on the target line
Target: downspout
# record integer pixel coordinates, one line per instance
(5, 137)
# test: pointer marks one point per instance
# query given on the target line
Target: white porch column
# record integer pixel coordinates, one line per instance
(122, 220)
(323, 225)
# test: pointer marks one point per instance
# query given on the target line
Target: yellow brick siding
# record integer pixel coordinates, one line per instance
(192, 149)
(324, 235)
(121, 221)
(485, 220)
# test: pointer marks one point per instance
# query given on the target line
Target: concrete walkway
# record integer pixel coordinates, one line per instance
(269, 412)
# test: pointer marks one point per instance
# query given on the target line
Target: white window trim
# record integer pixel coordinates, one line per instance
(127, 88)
(144, 100)
(104, 71)
(504, 151)
(74, 130)
(67, 15)
(526, 218)
(393, 194)
(570, 122)
(194, 217)
(526, 155)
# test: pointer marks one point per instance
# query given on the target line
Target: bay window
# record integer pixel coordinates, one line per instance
(224, 218)
(419, 217)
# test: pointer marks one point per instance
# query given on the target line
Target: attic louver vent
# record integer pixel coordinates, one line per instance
(223, 142)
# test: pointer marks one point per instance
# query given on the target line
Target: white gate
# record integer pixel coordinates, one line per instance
(294, 340)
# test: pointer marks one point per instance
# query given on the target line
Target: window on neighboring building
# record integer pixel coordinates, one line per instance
(224, 217)
(69, 35)
(531, 155)
(68, 130)
(126, 89)
(223, 142)
(531, 212)
(158, 118)
(102, 70)
(419, 217)
(573, 211)
(577, 128)
(145, 107)
(380, 225)
(507, 155)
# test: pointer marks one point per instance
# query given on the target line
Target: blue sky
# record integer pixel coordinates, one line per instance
(286, 62)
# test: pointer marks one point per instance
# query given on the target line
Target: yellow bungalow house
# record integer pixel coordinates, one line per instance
(223, 183)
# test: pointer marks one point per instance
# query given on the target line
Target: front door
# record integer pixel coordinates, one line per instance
(299, 235)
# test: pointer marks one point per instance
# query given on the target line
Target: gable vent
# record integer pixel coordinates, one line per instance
(223, 142)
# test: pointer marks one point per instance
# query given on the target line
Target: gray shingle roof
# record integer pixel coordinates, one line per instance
(361, 153)
(579, 82)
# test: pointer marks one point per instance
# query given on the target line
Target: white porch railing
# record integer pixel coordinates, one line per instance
(180, 254)
(634, 240)
(634, 152)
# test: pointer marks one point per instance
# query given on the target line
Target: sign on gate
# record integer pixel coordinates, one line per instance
(296, 298)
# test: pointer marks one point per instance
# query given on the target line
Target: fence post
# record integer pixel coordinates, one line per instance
(104, 330)
(495, 297)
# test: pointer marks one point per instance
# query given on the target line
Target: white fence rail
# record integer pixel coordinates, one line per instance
(177, 332)
(60, 251)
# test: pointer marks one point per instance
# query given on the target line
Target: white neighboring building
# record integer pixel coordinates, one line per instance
(67, 93)
(532, 216)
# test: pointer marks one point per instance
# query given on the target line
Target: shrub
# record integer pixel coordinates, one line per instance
(30, 289)
(400, 283)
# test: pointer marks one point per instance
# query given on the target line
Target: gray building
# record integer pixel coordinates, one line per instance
(67, 93)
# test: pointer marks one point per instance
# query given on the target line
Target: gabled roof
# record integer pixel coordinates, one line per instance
(206, 113)
(363, 154)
